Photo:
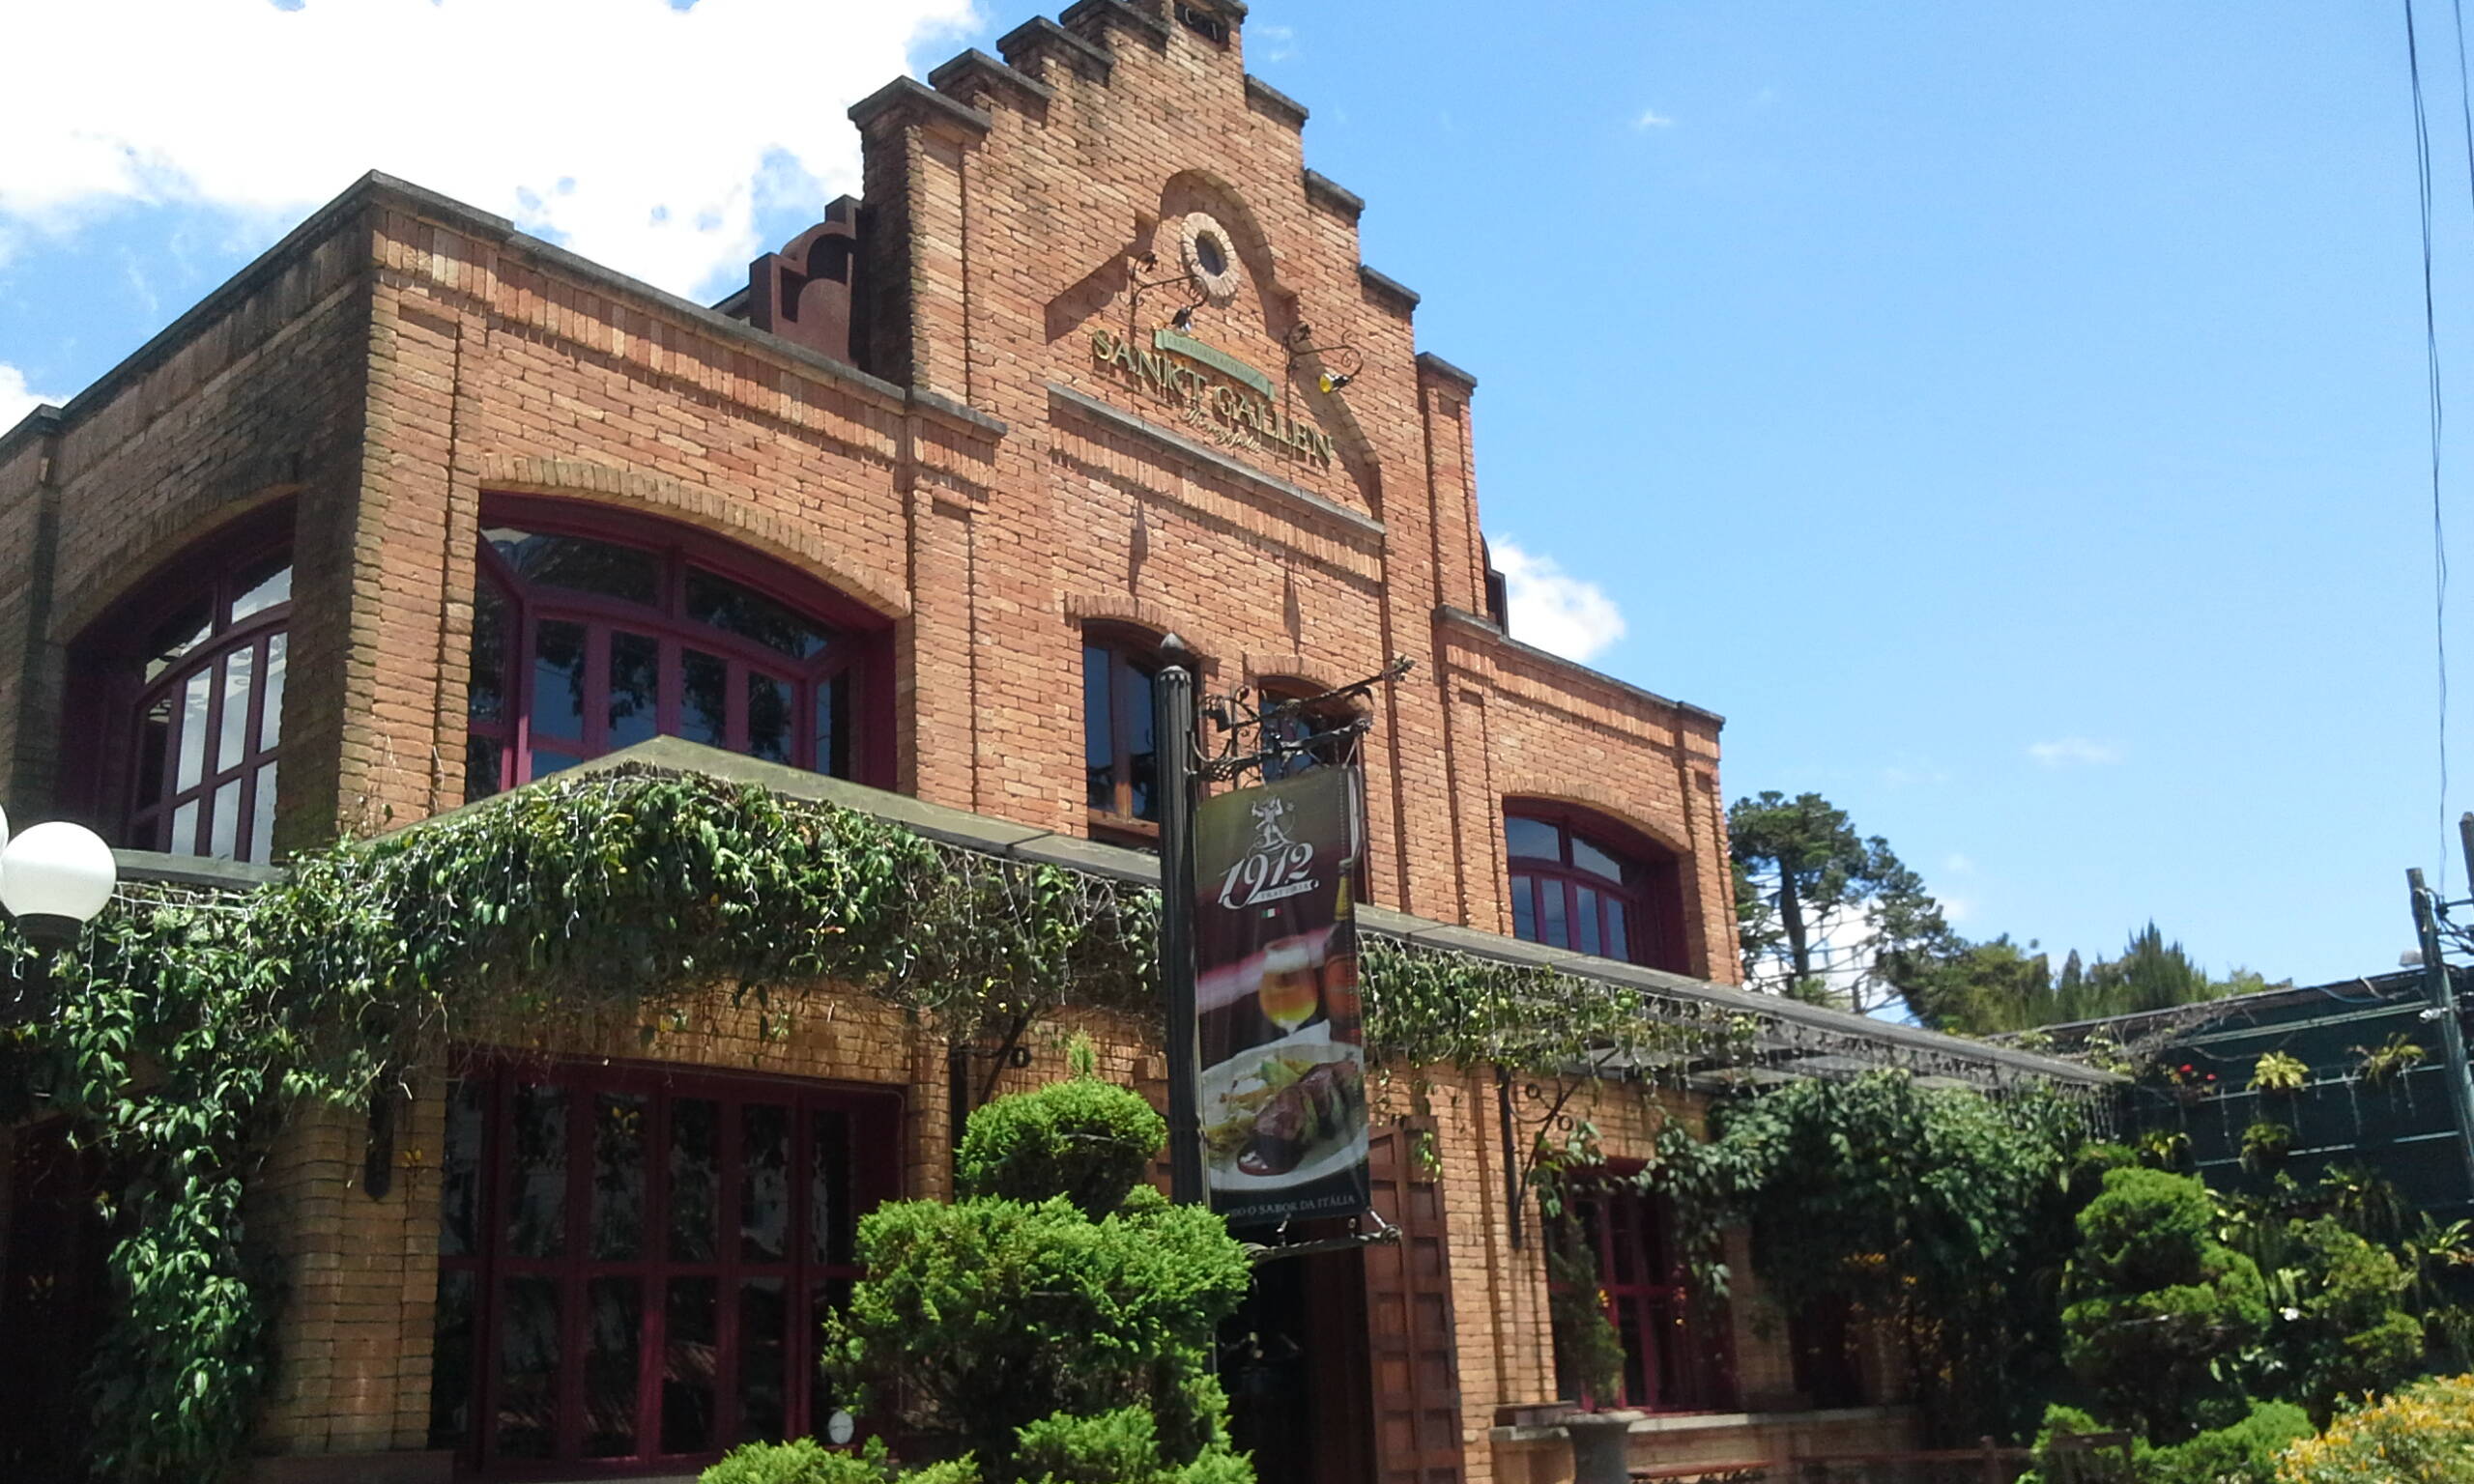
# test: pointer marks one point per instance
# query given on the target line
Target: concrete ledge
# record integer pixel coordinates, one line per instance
(407, 1467)
(1385, 287)
(1443, 370)
(1272, 101)
(911, 92)
(939, 405)
(44, 420)
(1324, 191)
(1039, 34)
(1311, 504)
(1669, 1423)
(1100, 15)
(979, 64)
(155, 867)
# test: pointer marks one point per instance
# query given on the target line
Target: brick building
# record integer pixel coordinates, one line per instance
(417, 509)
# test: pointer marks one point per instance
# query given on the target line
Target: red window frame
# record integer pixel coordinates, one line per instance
(240, 665)
(484, 1263)
(502, 749)
(1635, 914)
(1114, 729)
(1678, 1354)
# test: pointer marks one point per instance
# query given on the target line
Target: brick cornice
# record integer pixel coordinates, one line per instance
(1488, 636)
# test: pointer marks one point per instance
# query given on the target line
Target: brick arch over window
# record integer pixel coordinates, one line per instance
(1585, 881)
(594, 629)
(718, 515)
(173, 735)
(166, 543)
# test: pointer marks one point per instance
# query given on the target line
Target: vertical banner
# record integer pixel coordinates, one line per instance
(1281, 1089)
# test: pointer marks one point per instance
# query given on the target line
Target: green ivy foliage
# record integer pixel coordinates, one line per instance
(190, 1024)
(1942, 1211)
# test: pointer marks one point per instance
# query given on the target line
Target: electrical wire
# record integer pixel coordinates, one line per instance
(2430, 360)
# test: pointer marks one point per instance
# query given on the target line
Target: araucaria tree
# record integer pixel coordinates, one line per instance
(1822, 911)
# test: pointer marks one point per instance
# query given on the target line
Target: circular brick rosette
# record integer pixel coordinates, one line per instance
(1210, 258)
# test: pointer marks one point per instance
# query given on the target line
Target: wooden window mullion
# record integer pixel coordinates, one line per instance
(574, 1271)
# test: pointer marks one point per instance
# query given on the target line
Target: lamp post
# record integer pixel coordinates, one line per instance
(54, 877)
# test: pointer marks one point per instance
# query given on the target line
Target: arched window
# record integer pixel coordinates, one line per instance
(1582, 883)
(589, 635)
(1120, 766)
(194, 753)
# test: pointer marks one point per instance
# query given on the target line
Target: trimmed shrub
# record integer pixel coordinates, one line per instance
(2156, 1307)
(804, 1460)
(1052, 1338)
(2243, 1453)
(1085, 1140)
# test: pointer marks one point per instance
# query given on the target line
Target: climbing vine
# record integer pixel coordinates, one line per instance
(189, 1022)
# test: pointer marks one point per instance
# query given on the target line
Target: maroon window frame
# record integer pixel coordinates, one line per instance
(695, 679)
(1582, 883)
(1678, 1354)
(1120, 763)
(189, 705)
(601, 1314)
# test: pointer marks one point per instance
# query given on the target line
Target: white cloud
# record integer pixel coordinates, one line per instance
(16, 399)
(1959, 865)
(1651, 117)
(639, 134)
(1552, 608)
(1271, 44)
(2074, 752)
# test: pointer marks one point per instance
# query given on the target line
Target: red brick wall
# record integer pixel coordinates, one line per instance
(401, 358)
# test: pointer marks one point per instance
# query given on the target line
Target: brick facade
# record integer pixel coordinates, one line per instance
(970, 473)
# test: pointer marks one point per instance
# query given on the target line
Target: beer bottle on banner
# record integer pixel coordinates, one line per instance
(1340, 1003)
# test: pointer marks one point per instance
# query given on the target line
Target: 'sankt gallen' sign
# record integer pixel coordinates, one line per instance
(1235, 405)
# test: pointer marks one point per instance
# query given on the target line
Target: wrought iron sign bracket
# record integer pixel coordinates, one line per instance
(1233, 713)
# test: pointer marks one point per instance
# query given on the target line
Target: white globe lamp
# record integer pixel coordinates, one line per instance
(54, 879)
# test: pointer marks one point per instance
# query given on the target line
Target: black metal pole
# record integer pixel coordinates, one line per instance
(1172, 742)
(2443, 997)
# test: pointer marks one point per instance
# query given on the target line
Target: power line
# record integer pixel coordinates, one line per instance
(2430, 362)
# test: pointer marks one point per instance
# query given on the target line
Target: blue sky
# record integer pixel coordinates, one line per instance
(2011, 419)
